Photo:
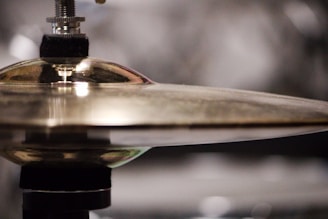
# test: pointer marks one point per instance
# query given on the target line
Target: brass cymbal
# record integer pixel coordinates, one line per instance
(114, 106)
(90, 92)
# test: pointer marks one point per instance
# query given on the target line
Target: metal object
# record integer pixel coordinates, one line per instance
(100, 1)
(65, 22)
(66, 109)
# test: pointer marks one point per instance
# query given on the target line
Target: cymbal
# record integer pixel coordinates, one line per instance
(114, 106)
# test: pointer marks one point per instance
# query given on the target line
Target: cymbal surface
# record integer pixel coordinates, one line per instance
(113, 107)
(58, 92)
(151, 105)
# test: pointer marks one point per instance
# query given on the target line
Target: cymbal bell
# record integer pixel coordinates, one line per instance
(46, 105)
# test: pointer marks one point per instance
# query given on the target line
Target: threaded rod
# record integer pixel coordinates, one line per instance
(65, 8)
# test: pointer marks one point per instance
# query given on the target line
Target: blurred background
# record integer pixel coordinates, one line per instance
(262, 45)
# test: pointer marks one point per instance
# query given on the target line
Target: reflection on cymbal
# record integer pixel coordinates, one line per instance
(152, 105)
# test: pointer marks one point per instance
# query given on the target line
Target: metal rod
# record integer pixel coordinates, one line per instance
(65, 8)
(65, 22)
